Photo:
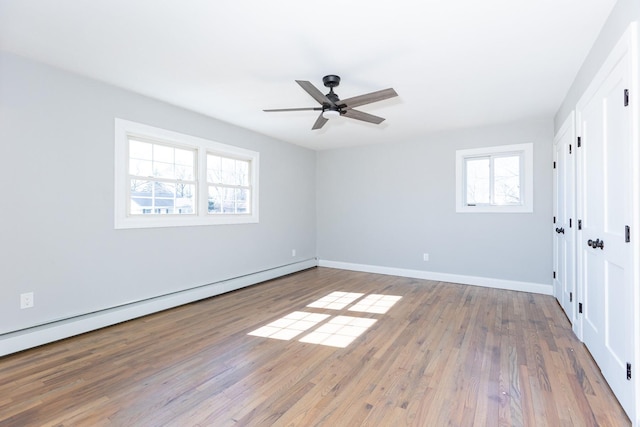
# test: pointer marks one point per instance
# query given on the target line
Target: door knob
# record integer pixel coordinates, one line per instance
(559, 230)
(596, 243)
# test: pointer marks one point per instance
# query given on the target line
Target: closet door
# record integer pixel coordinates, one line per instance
(605, 271)
(564, 218)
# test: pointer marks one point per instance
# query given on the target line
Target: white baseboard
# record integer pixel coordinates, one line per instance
(39, 335)
(512, 285)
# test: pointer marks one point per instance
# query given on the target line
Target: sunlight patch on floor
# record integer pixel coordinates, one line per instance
(289, 326)
(336, 300)
(375, 303)
(339, 331)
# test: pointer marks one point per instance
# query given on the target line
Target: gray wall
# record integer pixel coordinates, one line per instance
(57, 235)
(385, 205)
(623, 13)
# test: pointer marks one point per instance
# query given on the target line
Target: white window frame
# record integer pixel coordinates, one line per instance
(124, 129)
(525, 151)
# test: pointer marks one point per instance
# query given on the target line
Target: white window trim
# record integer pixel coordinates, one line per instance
(124, 129)
(526, 176)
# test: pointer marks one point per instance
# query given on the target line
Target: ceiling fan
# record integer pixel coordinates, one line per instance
(333, 106)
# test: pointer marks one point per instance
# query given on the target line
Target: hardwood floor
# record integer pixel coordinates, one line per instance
(443, 355)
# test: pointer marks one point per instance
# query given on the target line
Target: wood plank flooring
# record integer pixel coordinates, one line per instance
(443, 355)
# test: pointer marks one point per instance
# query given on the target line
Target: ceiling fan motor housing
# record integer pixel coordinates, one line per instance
(331, 80)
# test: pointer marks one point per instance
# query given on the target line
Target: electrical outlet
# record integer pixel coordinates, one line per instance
(293, 252)
(26, 300)
(425, 257)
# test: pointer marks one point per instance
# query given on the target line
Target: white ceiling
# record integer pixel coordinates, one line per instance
(454, 63)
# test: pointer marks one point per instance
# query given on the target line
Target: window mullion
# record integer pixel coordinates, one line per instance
(153, 197)
(521, 179)
(491, 181)
(203, 189)
(158, 179)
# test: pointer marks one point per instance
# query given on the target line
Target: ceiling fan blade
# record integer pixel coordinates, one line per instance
(359, 115)
(320, 121)
(368, 98)
(314, 92)
(293, 109)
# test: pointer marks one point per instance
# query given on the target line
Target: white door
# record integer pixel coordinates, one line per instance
(604, 209)
(564, 218)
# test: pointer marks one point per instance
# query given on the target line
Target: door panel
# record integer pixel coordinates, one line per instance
(592, 298)
(618, 345)
(605, 191)
(563, 212)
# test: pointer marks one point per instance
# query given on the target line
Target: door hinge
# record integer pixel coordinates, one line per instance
(570, 296)
(629, 371)
(554, 219)
(579, 307)
(626, 97)
(569, 148)
(554, 274)
(627, 234)
(570, 223)
(579, 224)
(554, 165)
(579, 142)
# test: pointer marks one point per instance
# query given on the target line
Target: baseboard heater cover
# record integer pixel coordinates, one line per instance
(32, 337)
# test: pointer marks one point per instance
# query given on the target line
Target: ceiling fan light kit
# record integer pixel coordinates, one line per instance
(332, 106)
(330, 114)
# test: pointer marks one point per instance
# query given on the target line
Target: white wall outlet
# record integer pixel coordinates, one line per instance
(26, 300)
(293, 252)
(425, 257)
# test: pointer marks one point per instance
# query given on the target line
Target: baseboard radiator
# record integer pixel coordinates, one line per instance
(43, 334)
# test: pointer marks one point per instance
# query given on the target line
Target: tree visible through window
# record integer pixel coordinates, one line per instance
(495, 179)
(167, 179)
(228, 185)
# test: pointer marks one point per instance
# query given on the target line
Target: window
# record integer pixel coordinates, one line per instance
(228, 185)
(166, 179)
(162, 178)
(495, 179)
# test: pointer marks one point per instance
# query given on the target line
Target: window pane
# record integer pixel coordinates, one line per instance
(214, 169)
(161, 198)
(506, 172)
(140, 167)
(477, 185)
(140, 150)
(162, 161)
(141, 200)
(163, 170)
(162, 153)
(184, 173)
(228, 171)
(184, 157)
(228, 165)
(243, 172)
(242, 200)
(185, 199)
(228, 200)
